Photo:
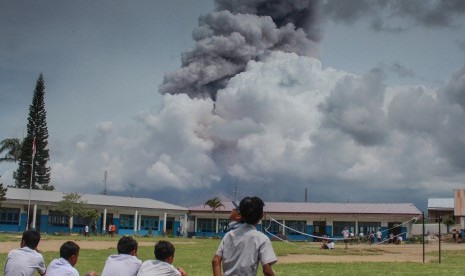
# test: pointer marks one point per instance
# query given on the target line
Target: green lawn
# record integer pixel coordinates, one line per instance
(195, 255)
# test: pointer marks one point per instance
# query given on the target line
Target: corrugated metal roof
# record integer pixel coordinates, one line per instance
(325, 208)
(100, 200)
(441, 203)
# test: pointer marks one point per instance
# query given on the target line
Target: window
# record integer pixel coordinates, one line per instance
(272, 227)
(149, 223)
(206, 225)
(126, 222)
(79, 221)
(56, 218)
(368, 227)
(297, 225)
(9, 216)
(223, 225)
(338, 226)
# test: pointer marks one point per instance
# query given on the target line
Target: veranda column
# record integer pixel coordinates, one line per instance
(284, 228)
(34, 213)
(104, 225)
(164, 224)
(140, 220)
(135, 222)
(185, 226)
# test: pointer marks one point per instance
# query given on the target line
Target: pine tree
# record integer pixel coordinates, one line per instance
(37, 133)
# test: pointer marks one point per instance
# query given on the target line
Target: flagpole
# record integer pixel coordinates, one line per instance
(30, 182)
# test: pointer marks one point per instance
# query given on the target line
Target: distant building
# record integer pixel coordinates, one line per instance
(459, 209)
(145, 216)
(130, 215)
(440, 207)
(302, 221)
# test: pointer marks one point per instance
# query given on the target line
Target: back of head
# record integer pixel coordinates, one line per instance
(69, 249)
(251, 209)
(31, 238)
(163, 250)
(126, 245)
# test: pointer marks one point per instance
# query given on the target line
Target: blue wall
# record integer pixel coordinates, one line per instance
(329, 230)
(49, 229)
(23, 221)
(10, 228)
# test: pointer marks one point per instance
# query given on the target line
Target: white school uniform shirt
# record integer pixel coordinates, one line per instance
(242, 249)
(24, 262)
(121, 265)
(61, 267)
(157, 268)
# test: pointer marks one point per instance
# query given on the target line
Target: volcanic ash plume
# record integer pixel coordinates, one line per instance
(232, 36)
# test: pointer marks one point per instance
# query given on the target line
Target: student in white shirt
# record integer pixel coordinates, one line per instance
(25, 260)
(242, 249)
(64, 266)
(125, 263)
(162, 266)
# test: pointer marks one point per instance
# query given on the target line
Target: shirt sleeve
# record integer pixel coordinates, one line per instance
(41, 266)
(219, 252)
(267, 253)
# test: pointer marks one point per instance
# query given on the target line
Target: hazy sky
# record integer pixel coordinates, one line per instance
(360, 101)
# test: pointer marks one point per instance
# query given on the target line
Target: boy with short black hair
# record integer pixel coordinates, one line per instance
(242, 249)
(64, 266)
(125, 263)
(162, 266)
(25, 260)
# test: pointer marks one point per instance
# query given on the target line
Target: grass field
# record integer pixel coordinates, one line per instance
(195, 255)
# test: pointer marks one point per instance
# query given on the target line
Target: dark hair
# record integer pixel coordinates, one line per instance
(163, 250)
(69, 249)
(251, 209)
(31, 238)
(126, 245)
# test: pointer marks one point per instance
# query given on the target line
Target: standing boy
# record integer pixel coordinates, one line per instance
(243, 248)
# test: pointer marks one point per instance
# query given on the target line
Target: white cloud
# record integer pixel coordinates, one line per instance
(283, 123)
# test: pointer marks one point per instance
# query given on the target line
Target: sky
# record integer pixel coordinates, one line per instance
(182, 101)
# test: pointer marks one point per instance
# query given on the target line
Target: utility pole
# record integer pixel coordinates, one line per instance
(305, 194)
(105, 175)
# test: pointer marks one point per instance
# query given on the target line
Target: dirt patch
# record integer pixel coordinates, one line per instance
(355, 253)
(378, 253)
(54, 245)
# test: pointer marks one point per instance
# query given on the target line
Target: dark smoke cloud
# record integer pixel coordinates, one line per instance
(243, 30)
(395, 15)
(240, 31)
(301, 13)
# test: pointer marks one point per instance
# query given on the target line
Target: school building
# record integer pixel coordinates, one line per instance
(145, 216)
(303, 221)
(130, 215)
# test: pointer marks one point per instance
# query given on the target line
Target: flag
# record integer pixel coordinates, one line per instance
(34, 147)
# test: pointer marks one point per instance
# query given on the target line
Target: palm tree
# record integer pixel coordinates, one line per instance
(213, 203)
(12, 147)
